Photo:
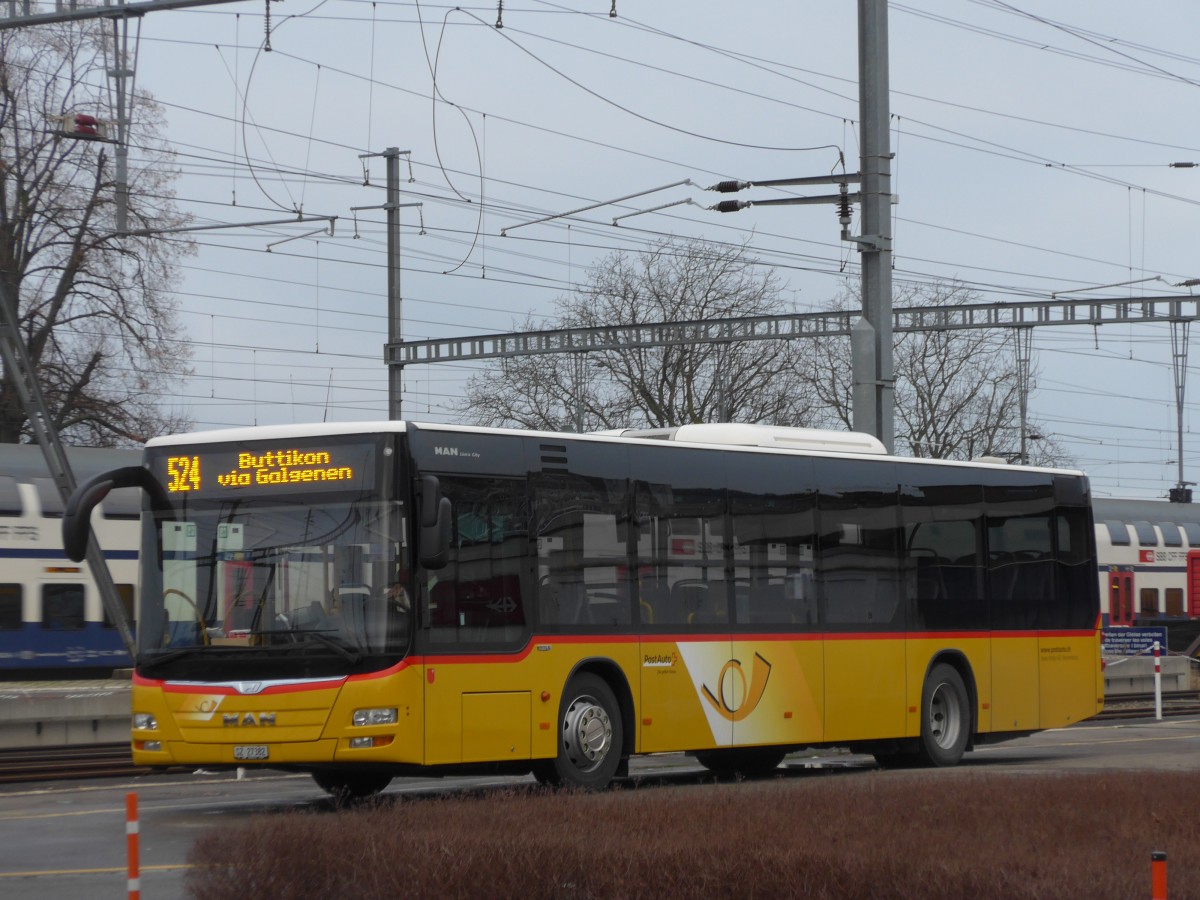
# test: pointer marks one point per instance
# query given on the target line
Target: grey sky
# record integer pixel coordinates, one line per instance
(1032, 141)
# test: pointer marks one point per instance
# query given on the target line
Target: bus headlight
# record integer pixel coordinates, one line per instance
(380, 716)
(145, 722)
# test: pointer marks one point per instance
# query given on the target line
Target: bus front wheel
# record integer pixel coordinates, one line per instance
(945, 717)
(590, 736)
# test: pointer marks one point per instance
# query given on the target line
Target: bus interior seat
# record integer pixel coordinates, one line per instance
(702, 602)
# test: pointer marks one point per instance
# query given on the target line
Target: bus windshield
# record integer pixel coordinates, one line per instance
(289, 555)
(277, 576)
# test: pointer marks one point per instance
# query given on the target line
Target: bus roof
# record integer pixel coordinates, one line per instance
(731, 436)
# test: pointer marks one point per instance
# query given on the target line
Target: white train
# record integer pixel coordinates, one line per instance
(1149, 562)
(52, 622)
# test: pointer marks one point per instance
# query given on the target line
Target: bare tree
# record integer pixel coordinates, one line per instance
(93, 308)
(956, 390)
(674, 281)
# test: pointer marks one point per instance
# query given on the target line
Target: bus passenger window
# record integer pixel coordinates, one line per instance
(479, 596)
(944, 580)
(582, 551)
(773, 559)
(681, 562)
(858, 573)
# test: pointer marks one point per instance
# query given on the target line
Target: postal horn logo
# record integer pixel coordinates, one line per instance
(736, 696)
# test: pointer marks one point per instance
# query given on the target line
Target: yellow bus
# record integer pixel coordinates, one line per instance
(362, 601)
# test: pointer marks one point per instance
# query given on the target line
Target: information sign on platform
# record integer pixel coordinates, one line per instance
(1132, 641)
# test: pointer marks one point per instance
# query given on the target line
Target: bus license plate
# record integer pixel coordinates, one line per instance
(252, 751)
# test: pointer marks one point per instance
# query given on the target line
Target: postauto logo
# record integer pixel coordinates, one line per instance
(737, 696)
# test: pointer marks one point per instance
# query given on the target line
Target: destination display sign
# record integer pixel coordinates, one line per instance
(217, 470)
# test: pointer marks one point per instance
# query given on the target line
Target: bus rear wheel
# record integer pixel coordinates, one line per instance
(590, 736)
(945, 717)
(343, 785)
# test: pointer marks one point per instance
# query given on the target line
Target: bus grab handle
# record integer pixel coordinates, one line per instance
(77, 516)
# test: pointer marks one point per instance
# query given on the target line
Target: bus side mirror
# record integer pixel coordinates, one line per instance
(77, 517)
(435, 524)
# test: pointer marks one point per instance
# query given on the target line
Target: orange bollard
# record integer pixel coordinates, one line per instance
(1158, 875)
(131, 846)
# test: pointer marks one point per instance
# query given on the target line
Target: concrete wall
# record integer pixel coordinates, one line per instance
(62, 713)
(1135, 675)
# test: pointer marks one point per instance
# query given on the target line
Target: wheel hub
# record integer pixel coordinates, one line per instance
(587, 733)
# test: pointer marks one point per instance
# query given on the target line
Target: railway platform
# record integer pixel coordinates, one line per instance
(64, 713)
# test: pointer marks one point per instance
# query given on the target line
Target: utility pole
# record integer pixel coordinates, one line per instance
(395, 323)
(392, 207)
(1182, 492)
(871, 336)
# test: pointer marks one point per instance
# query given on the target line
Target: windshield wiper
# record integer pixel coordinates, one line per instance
(144, 662)
(304, 639)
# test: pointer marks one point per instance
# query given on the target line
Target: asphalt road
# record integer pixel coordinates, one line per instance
(68, 838)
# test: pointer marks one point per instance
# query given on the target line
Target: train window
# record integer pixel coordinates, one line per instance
(49, 498)
(125, 593)
(1170, 534)
(1118, 534)
(1192, 531)
(10, 497)
(10, 607)
(1149, 598)
(1175, 602)
(1146, 534)
(62, 607)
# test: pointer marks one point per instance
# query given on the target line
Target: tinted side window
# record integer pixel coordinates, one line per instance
(943, 560)
(679, 502)
(1020, 543)
(858, 544)
(1076, 594)
(581, 526)
(482, 593)
(773, 504)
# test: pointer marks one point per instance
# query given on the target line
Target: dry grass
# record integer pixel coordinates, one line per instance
(864, 835)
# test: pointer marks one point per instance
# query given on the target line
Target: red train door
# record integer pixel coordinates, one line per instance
(1192, 603)
(1120, 598)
